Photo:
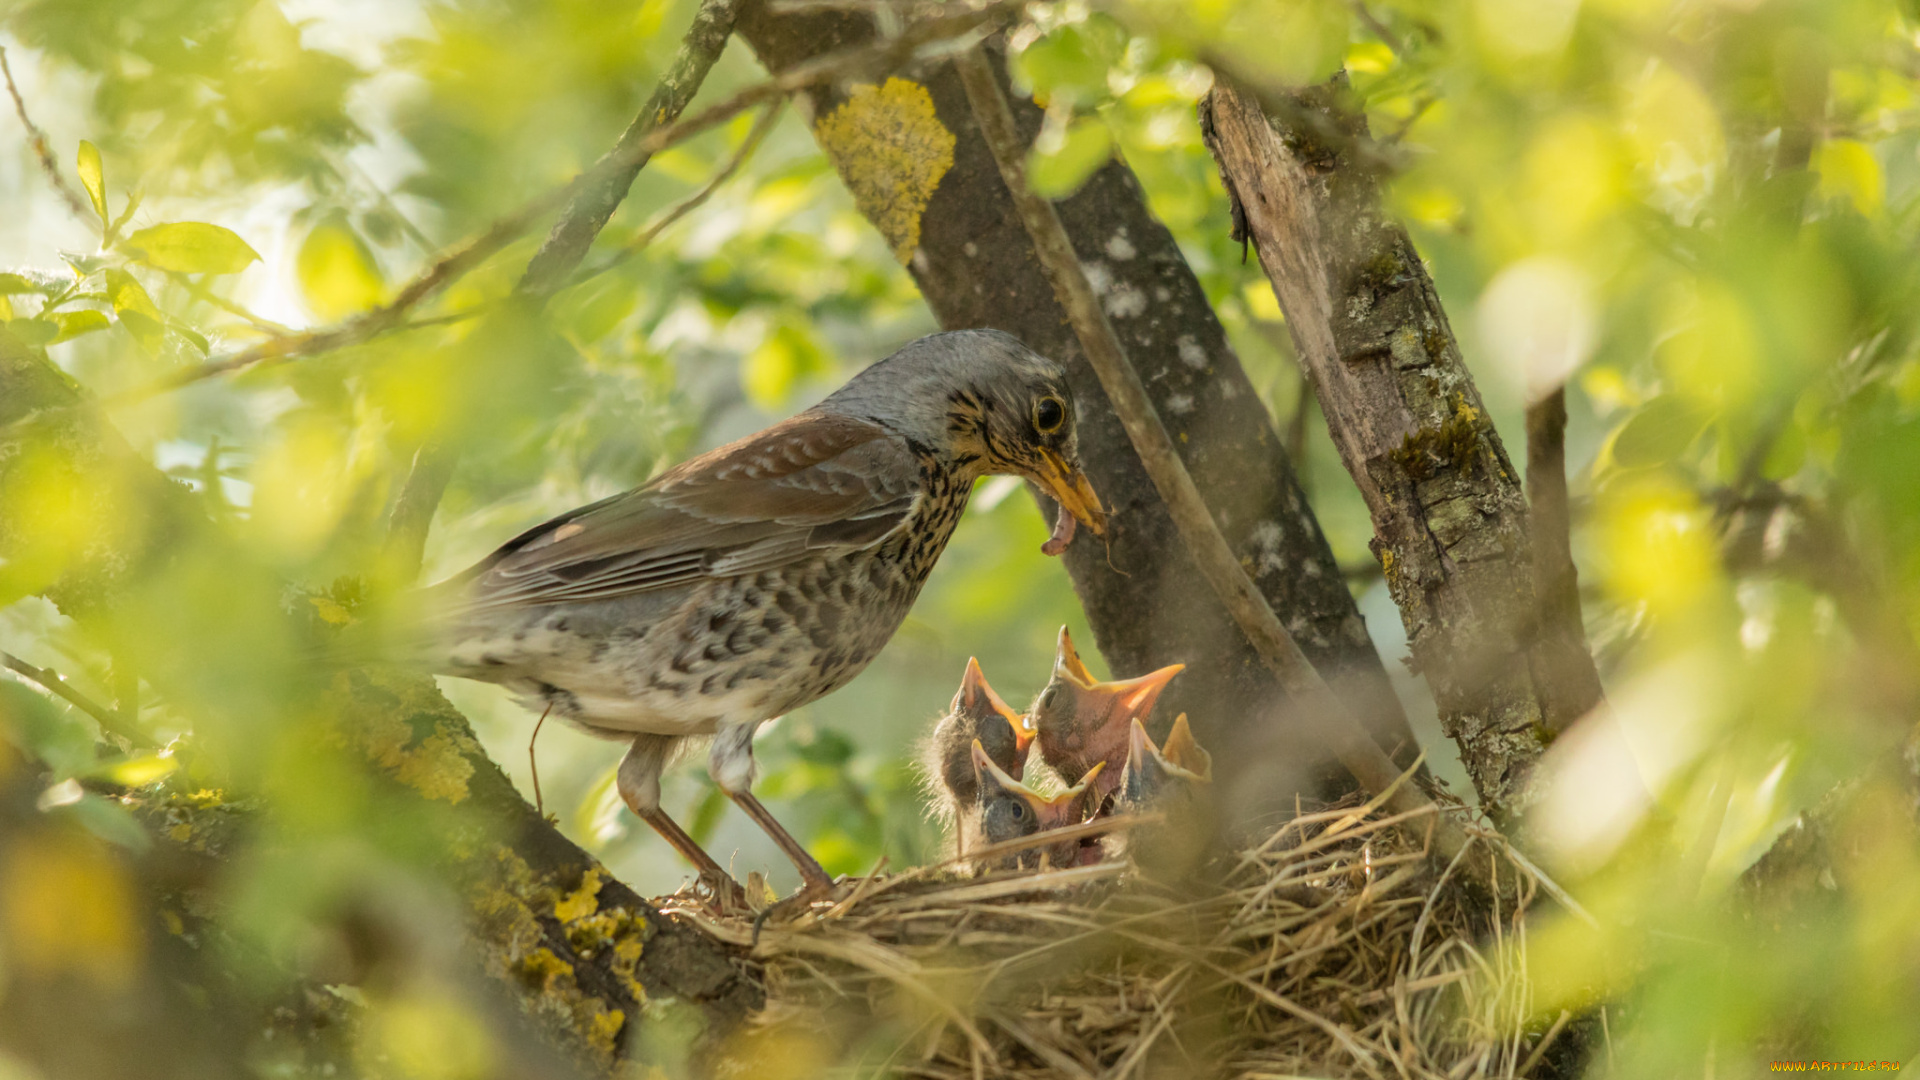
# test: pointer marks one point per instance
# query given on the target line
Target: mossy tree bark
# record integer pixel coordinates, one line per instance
(944, 207)
(583, 956)
(1449, 513)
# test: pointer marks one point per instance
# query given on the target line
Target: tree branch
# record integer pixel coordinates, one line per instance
(595, 197)
(1569, 682)
(42, 149)
(402, 722)
(1449, 516)
(456, 262)
(652, 230)
(110, 721)
(594, 202)
(1349, 741)
(976, 266)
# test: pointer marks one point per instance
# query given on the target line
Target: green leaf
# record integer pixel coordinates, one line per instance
(193, 337)
(787, 355)
(56, 734)
(74, 323)
(338, 275)
(13, 284)
(1661, 431)
(136, 311)
(192, 247)
(93, 177)
(1068, 161)
(110, 821)
(33, 331)
(139, 771)
(1073, 61)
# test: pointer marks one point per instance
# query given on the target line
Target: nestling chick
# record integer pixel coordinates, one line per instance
(1172, 780)
(977, 715)
(1154, 774)
(1082, 722)
(1010, 810)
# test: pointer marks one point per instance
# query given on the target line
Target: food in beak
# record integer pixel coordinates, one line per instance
(1079, 503)
(1063, 525)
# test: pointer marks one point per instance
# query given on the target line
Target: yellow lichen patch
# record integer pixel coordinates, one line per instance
(513, 906)
(583, 901)
(540, 968)
(604, 1029)
(181, 833)
(891, 150)
(438, 766)
(626, 963)
(330, 610)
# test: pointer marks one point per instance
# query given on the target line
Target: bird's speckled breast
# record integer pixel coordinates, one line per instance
(731, 650)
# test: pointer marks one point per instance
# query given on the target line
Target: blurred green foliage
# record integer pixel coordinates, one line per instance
(1701, 215)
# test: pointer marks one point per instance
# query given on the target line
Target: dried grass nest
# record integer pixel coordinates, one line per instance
(1331, 948)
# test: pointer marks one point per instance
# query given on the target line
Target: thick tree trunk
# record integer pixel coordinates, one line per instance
(956, 227)
(1449, 515)
(580, 951)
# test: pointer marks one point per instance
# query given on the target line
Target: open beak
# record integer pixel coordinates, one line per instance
(1181, 751)
(1150, 766)
(1138, 695)
(1050, 812)
(976, 695)
(1140, 749)
(1067, 662)
(1070, 488)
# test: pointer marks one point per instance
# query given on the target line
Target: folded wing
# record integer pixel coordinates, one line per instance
(813, 484)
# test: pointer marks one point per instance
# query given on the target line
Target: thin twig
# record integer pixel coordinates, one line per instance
(590, 205)
(1540, 1048)
(51, 681)
(594, 202)
(42, 149)
(652, 230)
(456, 262)
(239, 311)
(1380, 29)
(1341, 732)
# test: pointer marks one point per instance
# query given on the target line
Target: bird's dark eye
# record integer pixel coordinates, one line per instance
(1018, 810)
(1046, 699)
(1048, 414)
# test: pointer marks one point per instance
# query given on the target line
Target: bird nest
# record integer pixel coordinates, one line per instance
(1334, 947)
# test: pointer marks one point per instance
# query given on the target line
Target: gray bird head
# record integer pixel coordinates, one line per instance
(1010, 810)
(988, 404)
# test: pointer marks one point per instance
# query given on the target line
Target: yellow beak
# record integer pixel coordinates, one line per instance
(1071, 489)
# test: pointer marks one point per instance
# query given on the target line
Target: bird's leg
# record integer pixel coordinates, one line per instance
(638, 781)
(731, 763)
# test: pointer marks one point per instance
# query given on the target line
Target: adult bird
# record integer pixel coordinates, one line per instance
(977, 715)
(762, 575)
(1082, 721)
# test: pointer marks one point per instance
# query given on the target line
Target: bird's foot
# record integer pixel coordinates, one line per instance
(811, 895)
(721, 891)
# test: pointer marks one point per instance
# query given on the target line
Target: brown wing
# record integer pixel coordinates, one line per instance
(810, 484)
